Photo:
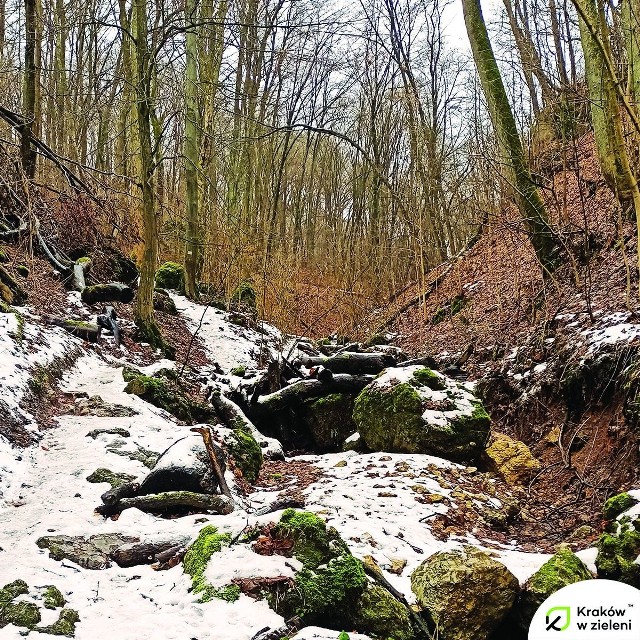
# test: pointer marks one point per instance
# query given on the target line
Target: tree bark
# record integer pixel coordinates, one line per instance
(530, 205)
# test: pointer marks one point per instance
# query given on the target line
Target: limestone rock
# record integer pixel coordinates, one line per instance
(90, 553)
(328, 421)
(417, 410)
(511, 459)
(466, 592)
(563, 569)
(184, 466)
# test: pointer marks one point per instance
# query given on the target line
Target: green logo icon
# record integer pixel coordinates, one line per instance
(558, 618)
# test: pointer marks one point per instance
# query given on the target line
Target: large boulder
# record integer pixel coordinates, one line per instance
(466, 592)
(511, 459)
(184, 466)
(328, 421)
(417, 410)
(563, 569)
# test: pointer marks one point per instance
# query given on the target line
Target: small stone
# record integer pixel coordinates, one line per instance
(397, 566)
(387, 494)
(341, 463)
(385, 459)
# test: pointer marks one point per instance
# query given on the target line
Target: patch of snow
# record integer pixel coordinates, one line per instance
(227, 343)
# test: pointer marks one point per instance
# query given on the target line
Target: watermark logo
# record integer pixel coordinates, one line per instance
(589, 610)
(558, 618)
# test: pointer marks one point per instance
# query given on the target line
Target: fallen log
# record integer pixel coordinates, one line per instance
(137, 553)
(108, 292)
(126, 490)
(170, 500)
(298, 392)
(354, 363)
(85, 330)
(426, 361)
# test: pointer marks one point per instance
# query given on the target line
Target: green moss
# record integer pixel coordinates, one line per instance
(390, 417)
(429, 379)
(114, 479)
(616, 505)
(13, 590)
(170, 275)
(20, 614)
(65, 625)
(238, 371)
(563, 569)
(53, 598)
(18, 334)
(311, 540)
(83, 261)
(344, 636)
(160, 393)
(330, 589)
(616, 556)
(244, 293)
(22, 270)
(208, 542)
(379, 614)
(246, 452)
(452, 308)
(39, 381)
(129, 373)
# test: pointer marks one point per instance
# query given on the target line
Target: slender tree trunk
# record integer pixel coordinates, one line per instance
(528, 199)
(144, 317)
(27, 152)
(191, 152)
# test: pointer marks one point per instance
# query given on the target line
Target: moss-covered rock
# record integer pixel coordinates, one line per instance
(65, 625)
(617, 553)
(53, 597)
(91, 553)
(167, 395)
(563, 569)
(466, 592)
(20, 614)
(511, 459)
(246, 452)
(22, 270)
(328, 421)
(330, 590)
(13, 590)
(313, 543)
(114, 479)
(618, 504)
(162, 302)
(244, 294)
(108, 292)
(417, 410)
(377, 613)
(170, 275)
(208, 542)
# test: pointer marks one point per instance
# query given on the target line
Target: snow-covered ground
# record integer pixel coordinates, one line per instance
(370, 499)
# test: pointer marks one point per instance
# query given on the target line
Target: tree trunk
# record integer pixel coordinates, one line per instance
(27, 152)
(144, 317)
(191, 152)
(528, 200)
